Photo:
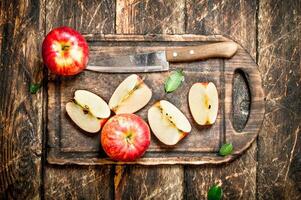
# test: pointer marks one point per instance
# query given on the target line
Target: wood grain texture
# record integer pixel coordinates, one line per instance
(95, 17)
(236, 178)
(233, 18)
(81, 182)
(20, 112)
(202, 52)
(87, 16)
(59, 13)
(78, 182)
(150, 17)
(149, 182)
(280, 138)
(236, 19)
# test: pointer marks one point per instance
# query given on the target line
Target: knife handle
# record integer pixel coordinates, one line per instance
(192, 53)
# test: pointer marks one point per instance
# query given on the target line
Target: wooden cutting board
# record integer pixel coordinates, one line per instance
(67, 144)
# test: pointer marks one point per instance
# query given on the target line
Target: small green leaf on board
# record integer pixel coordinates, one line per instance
(226, 149)
(174, 81)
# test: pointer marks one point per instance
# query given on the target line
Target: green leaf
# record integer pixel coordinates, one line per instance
(174, 81)
(215, 193)
(226, 149)
(33, 88)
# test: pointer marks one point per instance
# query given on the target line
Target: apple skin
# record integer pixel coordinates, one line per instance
(103, 122)
(65, 51)
(125, 137)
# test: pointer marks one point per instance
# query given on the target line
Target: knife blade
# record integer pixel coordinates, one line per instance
(159, 60)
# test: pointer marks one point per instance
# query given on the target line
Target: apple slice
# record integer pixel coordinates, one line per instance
(203, 103)
(92, 103)
(82, 119)
(88, 111)
(130, 96)
(168, 123)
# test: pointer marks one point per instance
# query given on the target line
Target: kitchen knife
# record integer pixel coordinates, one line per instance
(159, 60)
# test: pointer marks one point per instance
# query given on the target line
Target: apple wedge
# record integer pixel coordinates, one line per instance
(88, 111)
(92, 103)
(168, 123)
(203, 102)
(130, 96)
(84, 120)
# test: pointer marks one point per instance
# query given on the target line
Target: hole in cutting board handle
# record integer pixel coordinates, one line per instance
(241, 100)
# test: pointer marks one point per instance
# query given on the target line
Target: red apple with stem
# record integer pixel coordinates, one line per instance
(125, 137)
(65, 51)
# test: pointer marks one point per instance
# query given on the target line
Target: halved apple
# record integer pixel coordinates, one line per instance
(203, 102)
(130, 96)
(88, 111)
(168, 123)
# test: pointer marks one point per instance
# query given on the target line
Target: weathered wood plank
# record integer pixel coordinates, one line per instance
(150, 17)
(236, 19)
(236, 178)
(95, 17)
(59, 13)
(80, 182)
(145, 17)
(279, 141)
(152, 182)
(233, 18)
(21, 113)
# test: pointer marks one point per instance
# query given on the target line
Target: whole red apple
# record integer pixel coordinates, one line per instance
(125, 137)
(65, 51)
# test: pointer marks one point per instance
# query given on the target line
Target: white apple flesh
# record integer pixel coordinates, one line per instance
(88, 111)
(92, 103)
(203, 103)
(130, 96)
(83, 120)
(168, 123)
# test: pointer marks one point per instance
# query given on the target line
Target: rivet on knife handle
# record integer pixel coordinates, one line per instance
(192, 53)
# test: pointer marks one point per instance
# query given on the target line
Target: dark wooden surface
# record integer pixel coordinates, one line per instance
(67, 144)
(268, 29)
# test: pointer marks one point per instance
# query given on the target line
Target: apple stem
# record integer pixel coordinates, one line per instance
(65, 47)
(209, 106)
(128, 138)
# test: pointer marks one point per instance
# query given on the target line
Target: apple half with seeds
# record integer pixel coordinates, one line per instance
(168, 123)
(130, 96)
(203, 103)
(88, 111)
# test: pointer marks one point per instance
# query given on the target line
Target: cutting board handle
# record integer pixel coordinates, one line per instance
(192, 53)
(256, 114)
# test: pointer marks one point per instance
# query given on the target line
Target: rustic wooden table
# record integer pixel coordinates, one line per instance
(268, 29)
